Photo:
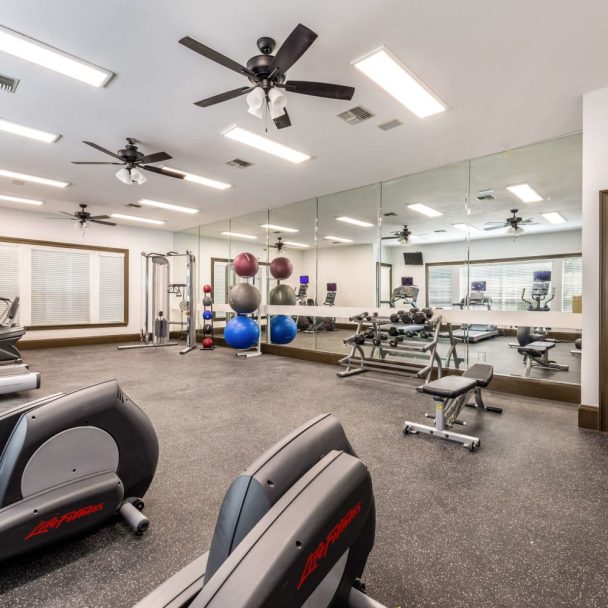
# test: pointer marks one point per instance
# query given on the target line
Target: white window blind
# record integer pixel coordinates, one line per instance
(504, 282)
(440, 287)
(9, 276)
(111, 288)
(60, 287)
(572, 282)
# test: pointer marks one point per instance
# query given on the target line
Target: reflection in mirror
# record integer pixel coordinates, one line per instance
(347, 260)
(423, 223)
(292, 235)
(186, 240)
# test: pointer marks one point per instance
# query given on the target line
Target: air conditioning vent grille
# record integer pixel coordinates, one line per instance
(390, 214)
(391, 124)
(239, 163)
(8, 84)
(355, 115)
(486, 195)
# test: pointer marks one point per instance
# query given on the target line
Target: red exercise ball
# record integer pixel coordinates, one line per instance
(281, 268)
(207, 288)
(207, 342)
(246, 265)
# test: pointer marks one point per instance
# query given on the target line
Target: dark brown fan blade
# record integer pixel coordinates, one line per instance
(162, 171)
(205, 51)
(100, 217)
(282, 121)
(293, 48)
(320, 89)
(66, 213)
(496, 227)
(100, 222)
(157, 157)
(61, 218)
(210, 101)
(385, 238)
(80, 162)
(90, 143)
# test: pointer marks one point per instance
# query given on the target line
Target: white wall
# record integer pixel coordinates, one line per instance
(29, 225)
(595, 178)
(552, 243)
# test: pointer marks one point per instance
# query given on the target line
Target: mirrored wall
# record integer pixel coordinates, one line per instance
(480, 242)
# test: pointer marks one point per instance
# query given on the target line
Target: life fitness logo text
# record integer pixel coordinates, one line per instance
(56, 522)
(320, 552)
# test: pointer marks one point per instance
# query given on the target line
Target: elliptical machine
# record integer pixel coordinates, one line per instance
(325, 323)
(541, 286)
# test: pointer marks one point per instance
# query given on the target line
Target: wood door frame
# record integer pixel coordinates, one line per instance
(602, 419)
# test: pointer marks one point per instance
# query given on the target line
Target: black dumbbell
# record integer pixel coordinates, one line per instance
(377, 341)
(394, 318)
(393, 331)
(413, 309)
(369, 334)
(359, 339)
(400, 312)
(419, 318)
(428, 312)
(406, 319)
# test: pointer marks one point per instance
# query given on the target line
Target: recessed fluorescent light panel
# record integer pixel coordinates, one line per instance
(16, 129)
(199, 179)
(397, 80)
(465, 227)
(46, 56)
(149, 203)
(354, 222)
(339, 239)
(18, 199)
(240, 235)
(277, 227)
(34, 179)
(420, 208)
(525, 193)
(554, 217)
(294, 244)
(135, 218)
(265, 145)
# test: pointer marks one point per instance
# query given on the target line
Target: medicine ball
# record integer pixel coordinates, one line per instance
(207, 301)
(207, 288)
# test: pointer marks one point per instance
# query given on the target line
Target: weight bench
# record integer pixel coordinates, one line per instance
(451, 394)
(537, 353)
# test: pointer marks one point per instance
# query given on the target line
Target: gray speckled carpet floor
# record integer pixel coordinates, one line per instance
(522, 522)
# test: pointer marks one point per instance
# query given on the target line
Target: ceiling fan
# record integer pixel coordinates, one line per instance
(267, 74)
(513, 223)
(83, 218)
(403, 235)
(132, 160)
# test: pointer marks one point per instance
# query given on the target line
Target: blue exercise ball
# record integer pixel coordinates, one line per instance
(283, 329)
(241, 332)
(208, 314)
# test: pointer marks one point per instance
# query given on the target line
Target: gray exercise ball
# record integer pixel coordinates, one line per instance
(244, 298)
(282, 295)
(207, 301)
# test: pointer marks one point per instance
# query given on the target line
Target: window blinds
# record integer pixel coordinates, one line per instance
(111, 288)
(9, 275)
(440, 287)
(572, 282)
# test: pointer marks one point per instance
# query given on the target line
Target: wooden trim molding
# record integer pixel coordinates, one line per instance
(57, 244)
(602, 415)
(588, 417)
(81, 341)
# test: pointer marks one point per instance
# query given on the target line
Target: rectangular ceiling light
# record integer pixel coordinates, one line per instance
(18, 199)
(420, 208)
(525, 193)
(337, 238)
(149, 203)
(465, 227)
(134, 218)
(240, 235)
(354, 222)
(277, 227)
(295, 244)
(397, 80)
(554, 217)
(13, 127)
(46, 56)
(199, 179)
(34, 179)
(265, 145)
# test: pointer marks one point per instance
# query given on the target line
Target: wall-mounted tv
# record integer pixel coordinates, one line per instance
(332, 287)
(304, 279)
(413, 258)
(407, 281)
(478, 285)
(542, 276)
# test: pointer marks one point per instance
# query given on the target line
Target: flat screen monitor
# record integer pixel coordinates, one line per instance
(478, 285)
(413, 259)
(304, 279)
(332, 287)
(407, 281)
(542, 275)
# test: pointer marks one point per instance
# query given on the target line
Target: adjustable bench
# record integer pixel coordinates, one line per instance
(451, 394)
(537, 353)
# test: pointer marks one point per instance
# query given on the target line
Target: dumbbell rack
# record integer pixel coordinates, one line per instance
(375, 331)
(208, 323)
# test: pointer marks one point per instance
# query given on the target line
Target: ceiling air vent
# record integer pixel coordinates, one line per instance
(391, 124)
(486, 195)
(442, 230)
(133, 205)
(8, 84)
(239, 163)
(390, 214)
(355, 115)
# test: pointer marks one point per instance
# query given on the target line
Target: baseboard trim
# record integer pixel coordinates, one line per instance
(588, 417)
(80, 341)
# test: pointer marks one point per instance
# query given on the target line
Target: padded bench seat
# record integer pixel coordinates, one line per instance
(448, 386)
(481, 372)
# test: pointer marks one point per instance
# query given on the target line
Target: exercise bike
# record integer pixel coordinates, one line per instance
(71, 462)
(294, 530)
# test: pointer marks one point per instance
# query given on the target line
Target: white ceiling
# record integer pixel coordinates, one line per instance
(512, 73)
